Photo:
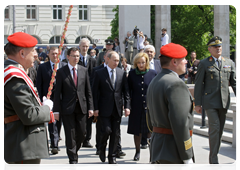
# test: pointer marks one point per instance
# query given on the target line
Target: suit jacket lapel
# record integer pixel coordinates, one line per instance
(214, 63)
(108, 81)
(88, 61)
(68, 73)
(118, 79)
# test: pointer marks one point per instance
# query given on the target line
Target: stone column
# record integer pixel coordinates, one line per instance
(221, 27)
(234, 108)
(131, 16)
(162, 20)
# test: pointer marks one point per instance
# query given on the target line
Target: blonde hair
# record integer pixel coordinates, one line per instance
(138, 56)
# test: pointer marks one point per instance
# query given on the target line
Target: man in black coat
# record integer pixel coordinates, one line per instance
(88, 62)
(44, 75)
(41, 55)
(109, 86)
(73, 100)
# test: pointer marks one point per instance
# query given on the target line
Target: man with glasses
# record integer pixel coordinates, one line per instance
(73, 100)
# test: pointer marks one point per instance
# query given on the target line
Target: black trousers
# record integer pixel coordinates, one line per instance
(110, 127)
(54, 132)
(75, 131)
(88, 128)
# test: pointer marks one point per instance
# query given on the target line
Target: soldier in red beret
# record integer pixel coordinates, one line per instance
(25, 139)
(170, 106)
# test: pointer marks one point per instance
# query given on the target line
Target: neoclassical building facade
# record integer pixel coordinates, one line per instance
(46, 22)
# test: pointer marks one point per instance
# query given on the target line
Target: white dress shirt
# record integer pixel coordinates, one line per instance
(165, 39)
(71, 69)
(219, 59)
(152, 64)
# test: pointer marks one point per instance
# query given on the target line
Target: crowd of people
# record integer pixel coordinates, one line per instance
(92, 86)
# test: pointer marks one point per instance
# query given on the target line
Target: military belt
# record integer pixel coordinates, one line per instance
(166, 131)
(11, 119)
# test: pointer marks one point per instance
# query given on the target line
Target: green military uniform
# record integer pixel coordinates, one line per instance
(170, 106)
(24, 139)
(212, 93)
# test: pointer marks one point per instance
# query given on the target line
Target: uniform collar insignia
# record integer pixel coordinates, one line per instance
(210, 59)
(223, 59)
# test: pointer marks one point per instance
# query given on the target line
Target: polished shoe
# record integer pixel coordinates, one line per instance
(144, 146)
(72, 162)
(120, 154)
(215, 166)
(87, 145)
(73, 165)
(97, 152)
(136, 156)
(102, 156)
(54, 151)
(112, 160)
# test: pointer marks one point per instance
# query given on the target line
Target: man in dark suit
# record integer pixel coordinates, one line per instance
(170, 107)
(88, 62)
(44, 76)
(109, 88)
(154, 63)
(41, 55)
(73, 100)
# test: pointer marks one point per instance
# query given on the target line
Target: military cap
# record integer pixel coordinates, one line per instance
(109, 42)
(22, 39)
(173, 51)
(215, 41)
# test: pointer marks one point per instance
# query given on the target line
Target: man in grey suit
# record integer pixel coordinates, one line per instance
(170, 107)
(154, 63)
(214, 75)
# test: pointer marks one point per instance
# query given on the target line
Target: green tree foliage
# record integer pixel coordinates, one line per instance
(153, 23)
(192, 27)
(114, 24)
(232, 21)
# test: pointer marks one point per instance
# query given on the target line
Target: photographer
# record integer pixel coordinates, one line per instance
(128, 48)
(165, 37)
(192, 68)
(137, 42)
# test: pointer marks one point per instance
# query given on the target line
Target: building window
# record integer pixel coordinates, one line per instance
(57, 11)
(31, 11)
(83, 12)
(56, 40)
(6, 13)
(79, 38)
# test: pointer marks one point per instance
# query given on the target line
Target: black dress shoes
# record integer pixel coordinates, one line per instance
(97, 152)
(72, 162)
(120, 154)
(112, 160)
(136, 156)
(215, 166)
(87, 144)
(73, 165)
(144, 146)
(102, 156)
(54, 151)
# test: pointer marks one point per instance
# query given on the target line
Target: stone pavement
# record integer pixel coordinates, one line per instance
(227, 154)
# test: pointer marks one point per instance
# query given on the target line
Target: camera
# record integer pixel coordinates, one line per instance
(135, 31)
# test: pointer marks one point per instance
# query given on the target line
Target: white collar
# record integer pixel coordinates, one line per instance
(71, 67)
(109, 69)
(219, 58)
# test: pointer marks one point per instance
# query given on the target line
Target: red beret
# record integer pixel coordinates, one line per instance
(173, 51)
(22, 39)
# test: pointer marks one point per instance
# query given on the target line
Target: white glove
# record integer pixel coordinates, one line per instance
(47, 102)
(187, 164)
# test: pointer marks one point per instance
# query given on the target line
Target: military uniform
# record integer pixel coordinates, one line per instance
(100, 59)
(212, 93)
(170, 107)
(25, 137)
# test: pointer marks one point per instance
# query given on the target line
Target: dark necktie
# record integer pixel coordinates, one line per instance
(219, 63)
(74, 76)
(53, 66)
(84, 61)
(112, 79)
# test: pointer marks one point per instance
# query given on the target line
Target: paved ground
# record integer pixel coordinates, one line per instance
(227, 154)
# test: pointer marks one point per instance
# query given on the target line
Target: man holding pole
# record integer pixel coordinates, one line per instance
(25, 139)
